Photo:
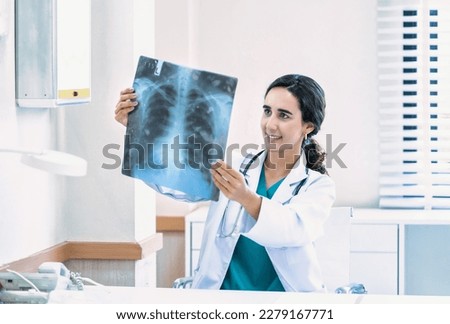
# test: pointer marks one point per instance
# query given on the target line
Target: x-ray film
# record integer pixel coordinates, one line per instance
(178, 129)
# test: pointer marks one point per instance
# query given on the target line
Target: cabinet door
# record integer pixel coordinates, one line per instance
(194, 233)
(374, 257)
(376, 271)
(427, 260)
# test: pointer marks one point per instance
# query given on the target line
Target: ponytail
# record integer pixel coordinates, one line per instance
(314, 156)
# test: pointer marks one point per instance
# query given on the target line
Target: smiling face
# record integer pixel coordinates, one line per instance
(282, 125)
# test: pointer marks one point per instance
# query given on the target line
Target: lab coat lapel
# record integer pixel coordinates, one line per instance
(285, 191)
(286, 188)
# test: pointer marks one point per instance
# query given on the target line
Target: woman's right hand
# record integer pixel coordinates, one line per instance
(127, 102)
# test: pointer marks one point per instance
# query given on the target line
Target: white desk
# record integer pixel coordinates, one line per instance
(132, 295)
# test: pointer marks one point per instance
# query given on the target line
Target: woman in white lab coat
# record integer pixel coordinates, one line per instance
(260, 234)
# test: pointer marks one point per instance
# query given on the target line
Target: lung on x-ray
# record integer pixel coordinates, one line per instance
(178, 129)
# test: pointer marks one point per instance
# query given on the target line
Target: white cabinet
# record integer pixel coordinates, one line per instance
(374, 257)
(391, 251)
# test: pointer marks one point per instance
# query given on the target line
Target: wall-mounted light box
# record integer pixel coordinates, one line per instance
(53, 52)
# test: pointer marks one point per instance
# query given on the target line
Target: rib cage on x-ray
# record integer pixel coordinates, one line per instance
(198, 122)
(157, 122)
(177, 106)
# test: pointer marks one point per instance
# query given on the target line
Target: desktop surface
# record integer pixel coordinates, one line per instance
(141, 295)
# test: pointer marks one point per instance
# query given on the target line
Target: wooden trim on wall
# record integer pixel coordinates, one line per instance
(151, 245)
(70, 250)
(104, 250)
(56, 253)
(170, 223)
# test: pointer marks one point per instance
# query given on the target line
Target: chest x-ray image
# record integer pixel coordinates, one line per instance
(178, 129)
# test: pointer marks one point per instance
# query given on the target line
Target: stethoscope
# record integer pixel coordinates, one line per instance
(243, 169)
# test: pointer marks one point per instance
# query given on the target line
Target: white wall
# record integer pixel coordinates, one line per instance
(102, 205)
(39, 210)
(332, 41)
(29, 199)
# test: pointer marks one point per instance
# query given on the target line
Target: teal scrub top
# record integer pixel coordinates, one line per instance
(250, 266)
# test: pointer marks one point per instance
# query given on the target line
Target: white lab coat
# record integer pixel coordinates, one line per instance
(287, 227)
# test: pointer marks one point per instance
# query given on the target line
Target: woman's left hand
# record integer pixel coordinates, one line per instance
(232, 184)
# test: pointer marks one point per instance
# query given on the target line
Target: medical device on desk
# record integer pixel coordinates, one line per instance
(34, 288)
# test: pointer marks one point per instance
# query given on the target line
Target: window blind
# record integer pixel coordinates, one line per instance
(414, 103)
